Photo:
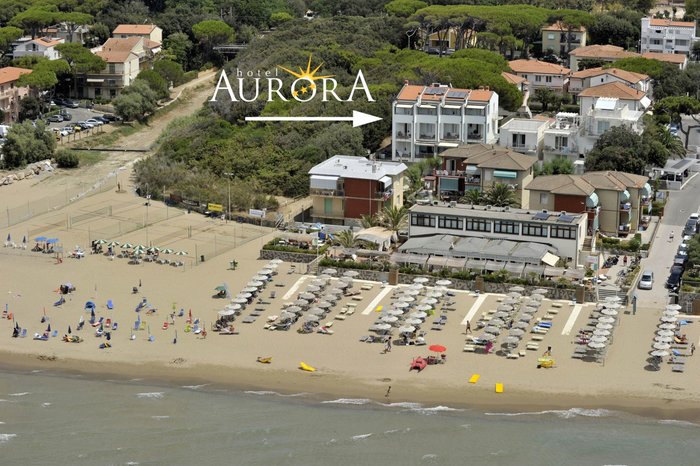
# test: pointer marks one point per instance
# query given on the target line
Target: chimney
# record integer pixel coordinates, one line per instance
(487, 88)
(405, 82)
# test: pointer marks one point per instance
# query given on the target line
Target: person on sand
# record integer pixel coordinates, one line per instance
(468, 330)
(387, 347)
(548, 352)
(388, 390)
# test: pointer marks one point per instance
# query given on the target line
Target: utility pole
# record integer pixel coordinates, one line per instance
(228, 175)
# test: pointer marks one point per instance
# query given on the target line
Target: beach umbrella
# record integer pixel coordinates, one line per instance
(542, 291)
(311, 318)
(671, 313)
(52, 241)
(313, 289)
(665, 333)
(390, 319)
(516, 332)
(612, 305)
(514, 294)
(516, 289)
(413, 321)
(127, 246)
(419, 315)
(69, 330)
(294, 309)
(424, 307)
(411, 292)
(112, 244)
(407, 329)
(301, 302)
(402, 304)
(220, 288)
(260, 278)
(234, 307)
(667, 326)
(239, 300)
(492, 329)
(437, 348)
(9, 237)
(244, 295)
(504, 308)
(329, 271)
(351, 273)
(415, 286)
(380, 327)
(272, 265)
(167, 251)
(669, 319)
(335, 291)
(510, 301)
(250, 289)
(497, 322)
(342, 285)
(331, 298)
(659, 353)
(525, 318)
(606, 319)
(674, 307)
(284, 315)
(181, 253)
(395, 312)
(609, 312)
(613, 299)
(276, 261)
(265, 271)
(601, 332)
(488, 336)
(511, 340)
(434, 294)
(663, 339)
(421, 280)
(536, 297)
(309, 296)
(407, 299)
(443, 282)
(324, 276)
(520, 325)
(596, 345)
(662, 346)
(324, 305)
(99, 241)
(40, 239)
(316, 311)
(531, 308)
(226, 312)
(500, 315)
(254, 284)
(430, 301)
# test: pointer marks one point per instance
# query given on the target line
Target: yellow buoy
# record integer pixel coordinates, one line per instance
(499, 388)
(305, 367)
(474, 378)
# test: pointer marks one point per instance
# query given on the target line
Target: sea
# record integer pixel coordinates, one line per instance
(56, 419)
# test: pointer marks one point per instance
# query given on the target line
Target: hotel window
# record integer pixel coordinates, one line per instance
(550, 36)
(544, 198)
(548, 79)
(451, 223)
(538, 78)
(477, 224)
(507, 227)
(422, 220)
(534, 229)
(562, 232)
(111, 68)
(603, 126)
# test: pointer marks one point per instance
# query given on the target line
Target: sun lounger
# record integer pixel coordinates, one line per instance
(474, 378)
(537, 338)
(678, 360)
(23, 333)
(110, 304)
(578, 355)
(366, 287)
(557, 305)
(522, 353)
(339, 317)
(357, 298)
(249, 320)
(350, 312)
(115, 326)
(256, 313)
(539, 330)
(512, 356)
(533, 346)
(553, 311)
(545, 324)
(273, 294)
(678, 368)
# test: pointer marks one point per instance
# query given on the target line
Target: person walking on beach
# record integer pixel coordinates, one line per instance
(468, 330)
(388, 390)
(692, 349)
(387, 347)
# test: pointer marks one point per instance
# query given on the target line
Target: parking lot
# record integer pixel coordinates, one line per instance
(78, 114)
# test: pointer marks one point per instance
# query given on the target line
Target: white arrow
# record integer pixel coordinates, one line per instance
(357, 118)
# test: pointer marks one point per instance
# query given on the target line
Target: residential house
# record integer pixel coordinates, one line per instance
(667, 36)
(39, 47)
(592, 77)
(564, 232)
(123, 65)
(430, 119)
(558, 37)
(608, 105)
(146, 31)
(480, 166)
(676, 59)
(524, 135)
(561, 139)
(75, 34)
(448, 40)
(606, 53)
(541, 74)
(11, 93)
(613, 202)
(521, 83)
(344, 188)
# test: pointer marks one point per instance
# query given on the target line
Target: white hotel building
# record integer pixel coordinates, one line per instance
(430, 119)
(667, 36)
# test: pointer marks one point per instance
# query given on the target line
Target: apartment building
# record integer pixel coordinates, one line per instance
(524, 135)
(10, 92)
(606, 53)
(39, 47)
(479, 167)
(429, 119)
(592, 77)
(150, 32)
(344, 188)
(541, 74)
(613, 202)
(667, 36)
(558, 37)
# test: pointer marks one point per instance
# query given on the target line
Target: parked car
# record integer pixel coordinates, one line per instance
(71, 103)
(55, 119)
(674, 278)
(68, 129)
(110, 117)
(647, 280)
(66, 116)
(85, 125)
(59, 101)
(102, 119)
(94, 122)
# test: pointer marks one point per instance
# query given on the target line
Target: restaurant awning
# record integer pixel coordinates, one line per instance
(95, 80)
(404, 106)
(405, 258)
(386, 181)
(324, 182)
(493, 266)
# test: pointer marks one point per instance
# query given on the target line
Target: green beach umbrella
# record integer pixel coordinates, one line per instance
(153, 249)
(181, 253)
(127, 246)
(111, 244)
(167, 251)
(101, 241)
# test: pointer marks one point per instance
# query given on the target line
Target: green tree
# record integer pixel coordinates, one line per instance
(473, 196)
(136, 102)
(347, 239)
(27, 143)
(500, 195)
(482, 55)
(66, 158)
(545, 96)
(8, 35)
(171, 71)
(369, 221)
(394, 218)
(279, 18)
(675, 107)
(44, 76)
(609, 28)
(97, 35)
(404, 8)
(73, 20)
(558, 166)
(695, 51)
(178, 46)
(29, 108)
(80, 61)
(156, 82)
(33, 20)
(588, 63)
(211, 33)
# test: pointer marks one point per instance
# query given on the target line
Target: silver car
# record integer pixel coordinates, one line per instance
(647, 280)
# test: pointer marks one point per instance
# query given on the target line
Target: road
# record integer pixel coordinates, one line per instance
(680, 205)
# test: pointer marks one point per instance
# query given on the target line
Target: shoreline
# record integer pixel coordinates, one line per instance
(321, 387)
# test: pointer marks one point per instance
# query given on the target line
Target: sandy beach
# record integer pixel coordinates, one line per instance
(346, 367)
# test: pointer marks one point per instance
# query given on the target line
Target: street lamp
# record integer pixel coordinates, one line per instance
(228, 175)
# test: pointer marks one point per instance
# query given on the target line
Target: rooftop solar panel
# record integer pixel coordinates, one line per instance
(457, 94)
(566, 218)
(541, 216)
(435, 90)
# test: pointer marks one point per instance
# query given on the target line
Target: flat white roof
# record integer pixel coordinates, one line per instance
(524, 124)
(350, 166)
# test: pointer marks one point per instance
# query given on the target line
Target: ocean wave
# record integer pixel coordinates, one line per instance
(6, 437)
(348, 401)
(361, 436)
(20, 394)
(404, 404)
(419, 408)
(269, 392)
(157, 395)
(160, 418)
(436, 409)
(195, 387)
(562, 413)
(46, 405)
(676, 422)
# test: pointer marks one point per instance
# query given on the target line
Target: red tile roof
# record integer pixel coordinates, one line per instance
(11, 74)
(675, 58)
(134, 29)
(615, 90)
(668, 22)
(537, 67)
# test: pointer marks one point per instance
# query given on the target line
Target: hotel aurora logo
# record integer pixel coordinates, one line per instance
(307, 86)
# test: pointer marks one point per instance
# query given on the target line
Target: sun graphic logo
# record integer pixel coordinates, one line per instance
(307, 85)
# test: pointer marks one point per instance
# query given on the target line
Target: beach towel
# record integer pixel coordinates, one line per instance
(110, 305)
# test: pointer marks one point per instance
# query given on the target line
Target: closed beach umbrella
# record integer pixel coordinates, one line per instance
(609, 312)
(667, 326)
(596, 345)
(674, 307)
(351, 273)
(390, 319)
(603, 326)
(606, 319)
(659, 353)
(517, 332)
(413, 321)
(662, 346)
(421, 280)
(601, 332)
(443, 282)
(665, 333)
(407, 329)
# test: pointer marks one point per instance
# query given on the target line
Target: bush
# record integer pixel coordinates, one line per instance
(66, 158)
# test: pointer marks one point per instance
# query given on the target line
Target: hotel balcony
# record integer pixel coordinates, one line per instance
(326, 192)
(403, 136)
(427, 137)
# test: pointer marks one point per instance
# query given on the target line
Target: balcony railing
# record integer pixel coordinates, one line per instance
(450, 137)
(523, 147)
(327, 192)
(475, 137)
(426, 137)
(402, 135)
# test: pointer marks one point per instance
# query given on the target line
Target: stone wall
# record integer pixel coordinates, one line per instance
(268, 254)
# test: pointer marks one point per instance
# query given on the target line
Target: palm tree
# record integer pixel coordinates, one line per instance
(368, 221)
(346, 239)
(472, 196)
(672, 143)
(500, 195)
(394, 218)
